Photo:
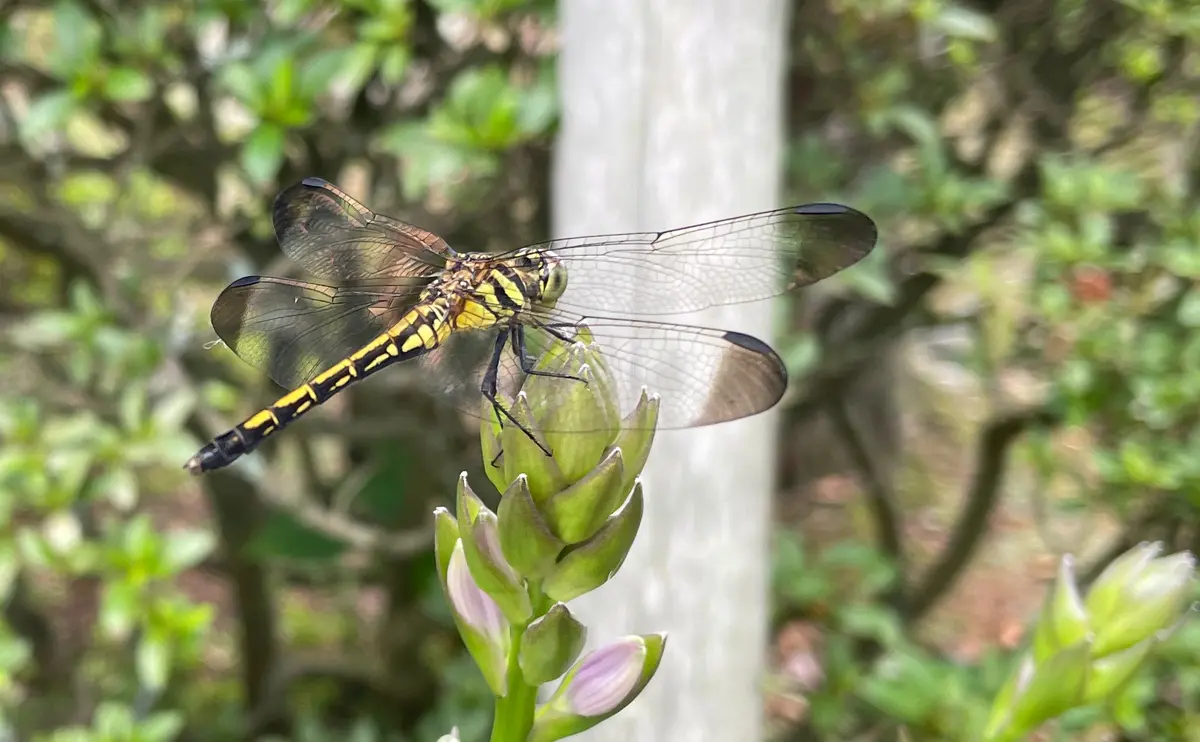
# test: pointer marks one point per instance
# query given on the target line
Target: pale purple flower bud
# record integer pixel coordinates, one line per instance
(475, 607)
(598, 686)
(606, 676)
(489, 544)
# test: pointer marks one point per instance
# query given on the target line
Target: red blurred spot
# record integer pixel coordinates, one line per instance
(1091, 285)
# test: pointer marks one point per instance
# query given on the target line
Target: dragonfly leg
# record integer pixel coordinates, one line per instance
(556, 333)
(527, 362)
(490, 386)
(556, 329)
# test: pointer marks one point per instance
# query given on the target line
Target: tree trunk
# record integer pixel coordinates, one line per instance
(672, 115)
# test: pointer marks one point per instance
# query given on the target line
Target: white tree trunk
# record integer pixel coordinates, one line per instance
(672, 115)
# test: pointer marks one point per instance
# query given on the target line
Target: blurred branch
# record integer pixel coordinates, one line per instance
(22, 235)
(36, 82)
(881, 497)
(354, 673)
(981, 497)
(882, 322)
(1056, 74)
(334, 523)
(271, 708)
(1133, 532)
(58, 233)
(238, 513)
(339, 526)
(406, 632)
(32, 625)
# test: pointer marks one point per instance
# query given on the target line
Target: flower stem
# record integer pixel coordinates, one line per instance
(538, 599)
(514, 712)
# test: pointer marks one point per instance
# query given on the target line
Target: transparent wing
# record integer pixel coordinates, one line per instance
(703, 376)
(336, 238)
(741, 259)
(293, 330)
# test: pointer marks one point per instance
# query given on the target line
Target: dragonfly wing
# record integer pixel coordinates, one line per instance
(454, 370)
(334, 237)
(731, 261)
(293, 330)
(703, 376)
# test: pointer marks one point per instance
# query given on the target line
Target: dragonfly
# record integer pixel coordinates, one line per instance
(386, 292)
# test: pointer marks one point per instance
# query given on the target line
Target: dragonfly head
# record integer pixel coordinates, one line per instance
(544, 270)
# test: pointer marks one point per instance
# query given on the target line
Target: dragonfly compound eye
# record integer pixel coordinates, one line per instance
(554, 280)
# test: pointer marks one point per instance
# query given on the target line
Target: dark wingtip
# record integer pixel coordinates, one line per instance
(754, 345)
(244, 281)
(866, 231)
(822, 209)
(281, 211)
(771, 379)
(749, 342)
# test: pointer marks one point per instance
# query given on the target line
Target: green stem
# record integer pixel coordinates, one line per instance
(514, 712)
(541, 604)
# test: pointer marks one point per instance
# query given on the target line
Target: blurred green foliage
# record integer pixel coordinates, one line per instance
(1032, 166)
(147, 140)
(842, 589)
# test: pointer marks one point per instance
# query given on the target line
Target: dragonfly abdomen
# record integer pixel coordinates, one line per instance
(421, 330)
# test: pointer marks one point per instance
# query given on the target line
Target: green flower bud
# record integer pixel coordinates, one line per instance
(564, 358)
(598, 686)
(550, 644)
(466, 503)
(445, 535)
(1105, 597)
(491, 571)
(588, 565)
(1084, 650)
(525, 539)
(522, 455)
(1109, 674)
(578, 422)
(480, 622)
(1054, 687)
(1064, 622)
(580, 417)
(636, 437)
(489, 437)
(1040, 693)
(1138, 597)
(578, 511)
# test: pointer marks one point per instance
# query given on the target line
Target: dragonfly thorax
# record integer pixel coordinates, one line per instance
(540, 273)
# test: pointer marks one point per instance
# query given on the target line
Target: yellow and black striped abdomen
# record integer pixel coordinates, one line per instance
(423, 328)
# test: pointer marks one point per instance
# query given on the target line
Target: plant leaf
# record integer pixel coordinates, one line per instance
(262, 154)
(128, 84)
(47, 114)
